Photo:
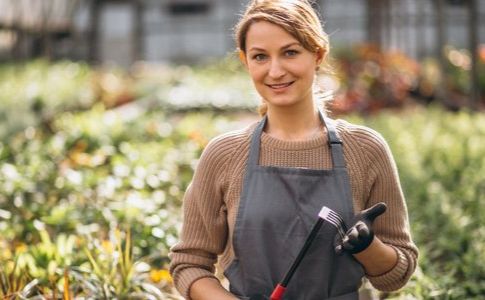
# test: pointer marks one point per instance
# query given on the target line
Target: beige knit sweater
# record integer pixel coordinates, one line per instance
(212, 199)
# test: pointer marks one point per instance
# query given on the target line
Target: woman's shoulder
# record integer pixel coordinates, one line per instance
(360, 136)
(226, 144)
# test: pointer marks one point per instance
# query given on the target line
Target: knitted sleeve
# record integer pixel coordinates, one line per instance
(393, 226)
(204, 231)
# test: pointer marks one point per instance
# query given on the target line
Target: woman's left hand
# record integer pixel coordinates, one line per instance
(361, 234)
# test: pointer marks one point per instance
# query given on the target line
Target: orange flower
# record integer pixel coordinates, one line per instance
(197, 137)
(481, 53)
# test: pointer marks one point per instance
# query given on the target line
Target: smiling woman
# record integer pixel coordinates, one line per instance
(282, 70)
(257, 192)
(295, 20)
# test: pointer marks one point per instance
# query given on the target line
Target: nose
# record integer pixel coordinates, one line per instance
(276, 69)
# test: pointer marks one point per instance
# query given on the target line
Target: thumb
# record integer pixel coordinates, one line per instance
(373, 212)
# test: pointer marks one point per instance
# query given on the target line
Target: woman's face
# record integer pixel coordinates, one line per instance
(282, 70)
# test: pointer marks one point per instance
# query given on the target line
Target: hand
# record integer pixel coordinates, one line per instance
(360, 235)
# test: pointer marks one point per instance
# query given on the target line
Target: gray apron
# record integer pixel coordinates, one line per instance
(277, 210)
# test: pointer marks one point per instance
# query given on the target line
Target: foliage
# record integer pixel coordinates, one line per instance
(91, 181)
(440, 159)
(93, 171)
(106, 269)
(34, 92)
(456, 85)
(14, 280)
(113, 273)
(371, 80)
(459, 65)
(222, 85)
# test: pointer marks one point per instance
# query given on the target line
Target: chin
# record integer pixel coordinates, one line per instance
(282, 104)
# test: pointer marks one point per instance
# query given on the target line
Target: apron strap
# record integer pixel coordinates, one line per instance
(335, 143)
(253, 158)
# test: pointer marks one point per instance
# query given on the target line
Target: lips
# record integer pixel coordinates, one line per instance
(279, 86)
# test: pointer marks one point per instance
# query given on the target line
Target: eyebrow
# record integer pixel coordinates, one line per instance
(284, 47)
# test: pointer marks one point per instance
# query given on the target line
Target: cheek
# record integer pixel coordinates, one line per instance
(306, 69)
(256, 73)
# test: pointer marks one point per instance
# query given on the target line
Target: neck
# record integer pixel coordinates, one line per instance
(292, 124)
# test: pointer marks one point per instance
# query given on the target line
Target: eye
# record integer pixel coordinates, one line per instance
(290, 53)
(259, 57)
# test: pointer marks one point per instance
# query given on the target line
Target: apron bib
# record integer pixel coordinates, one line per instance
(277, 210)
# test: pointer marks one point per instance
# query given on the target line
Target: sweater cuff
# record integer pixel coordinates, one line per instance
(394, 279)
(186, 277)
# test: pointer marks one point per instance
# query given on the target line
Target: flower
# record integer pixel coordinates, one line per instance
(160, 275)
(107, 246)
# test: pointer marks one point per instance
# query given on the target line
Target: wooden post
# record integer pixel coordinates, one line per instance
(374, 22)
(441, 92)
(46, 30)
(138, 31)
(473, 47)
(71, 9)
(421, 29)
(390, 26)
(406, 26)
(18, 50)
(93, 39)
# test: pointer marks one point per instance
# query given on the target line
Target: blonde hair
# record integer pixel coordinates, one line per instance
(297, 17)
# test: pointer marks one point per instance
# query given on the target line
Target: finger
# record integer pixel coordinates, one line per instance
(353, 235)
(348, 246)
(339, 249)
(373, 212)
(363, 230)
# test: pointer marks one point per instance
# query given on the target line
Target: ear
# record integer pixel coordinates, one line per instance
(320, 55)
(242, 58)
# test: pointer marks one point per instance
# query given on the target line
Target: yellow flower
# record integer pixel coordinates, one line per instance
(6, 254)
(107, 246)
(21, 248)
(160, 275)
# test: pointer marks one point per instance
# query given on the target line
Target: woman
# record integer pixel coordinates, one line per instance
(257, 192)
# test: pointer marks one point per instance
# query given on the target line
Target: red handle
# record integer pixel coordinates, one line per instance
(278, 292)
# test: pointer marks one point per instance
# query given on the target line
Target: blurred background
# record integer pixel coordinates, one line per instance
(106, 105)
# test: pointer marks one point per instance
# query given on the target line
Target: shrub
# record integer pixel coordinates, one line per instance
(440, 159)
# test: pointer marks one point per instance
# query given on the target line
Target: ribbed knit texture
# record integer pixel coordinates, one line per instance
(212, 199)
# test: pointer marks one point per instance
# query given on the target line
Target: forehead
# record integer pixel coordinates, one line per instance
(263, 34)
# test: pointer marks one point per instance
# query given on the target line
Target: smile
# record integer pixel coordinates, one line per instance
(280, 85)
